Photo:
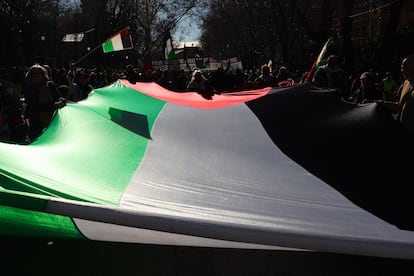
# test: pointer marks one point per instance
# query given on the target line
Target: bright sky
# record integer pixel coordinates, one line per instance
(188, 30)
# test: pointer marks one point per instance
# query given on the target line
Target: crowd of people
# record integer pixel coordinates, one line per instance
(30, 97)
(360, 88)
(369, 87)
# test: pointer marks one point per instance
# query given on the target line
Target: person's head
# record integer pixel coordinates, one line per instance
(48, 70)
(265, 69)
(100, 76)
(197, 75)
(407, 67)
(83, 78)
(367, 80)
(130, 68)
(72, 66)
(332, 61)
(388, 75)
(283, 71)
(64, 90)
(37, 75)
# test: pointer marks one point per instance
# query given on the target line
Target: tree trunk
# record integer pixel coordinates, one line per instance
(346, 29)
(390, 35)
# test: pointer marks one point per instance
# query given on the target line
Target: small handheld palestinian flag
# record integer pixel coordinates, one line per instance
(319, 59)
(169, 49)
(118, 42)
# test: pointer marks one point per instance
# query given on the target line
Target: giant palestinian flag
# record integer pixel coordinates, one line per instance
(283, 168)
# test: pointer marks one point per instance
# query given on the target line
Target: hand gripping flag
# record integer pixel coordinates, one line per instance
(118, 42)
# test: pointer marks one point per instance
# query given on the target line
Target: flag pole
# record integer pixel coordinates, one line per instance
(90, 52)
(103, 43)
(311, 71)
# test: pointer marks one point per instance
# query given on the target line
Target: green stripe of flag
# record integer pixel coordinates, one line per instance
(18, 222)
(89, 152)
(108, 47)
(120, 41)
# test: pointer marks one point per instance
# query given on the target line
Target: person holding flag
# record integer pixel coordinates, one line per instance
(325, 74)
(330, 75)
(320, 60)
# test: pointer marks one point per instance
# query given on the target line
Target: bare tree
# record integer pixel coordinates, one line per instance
(241, 27)
(346, 31)
(288, 31)
(30, 25)
(390, 34)
(150, 19)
